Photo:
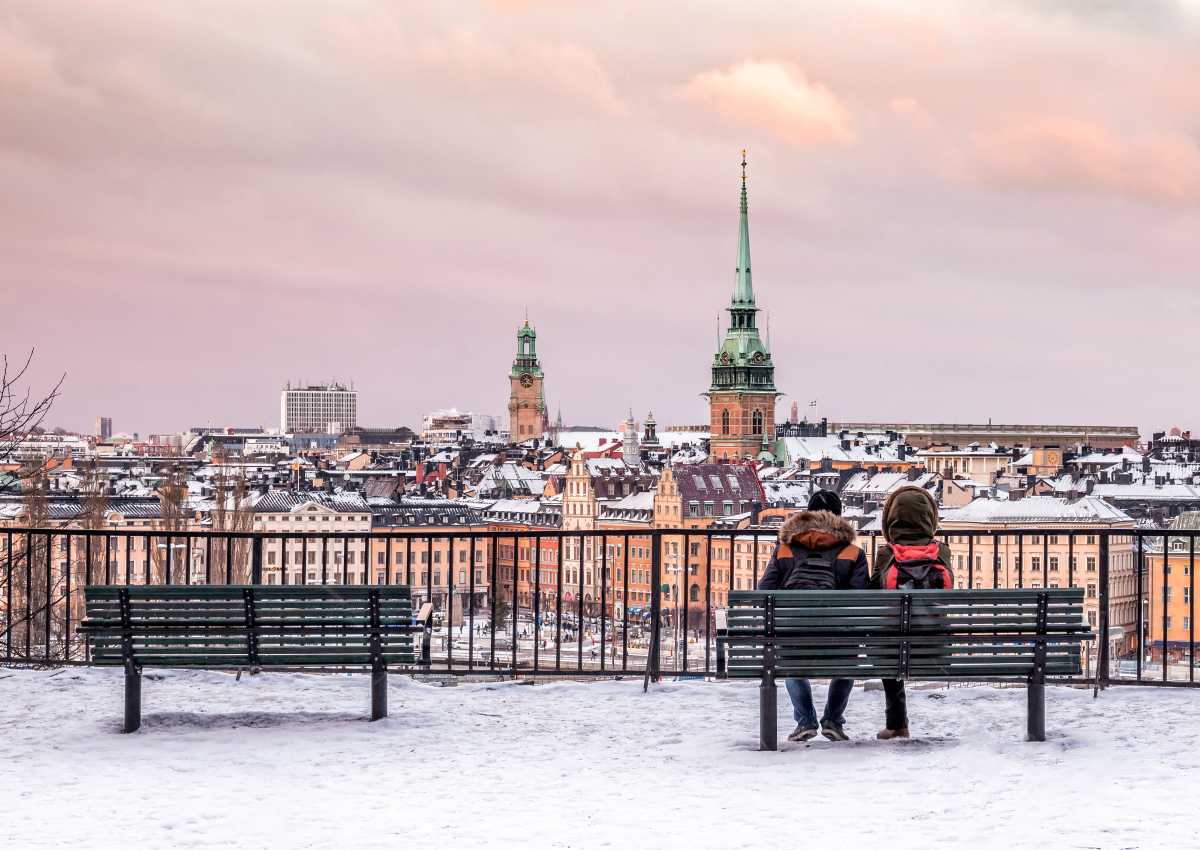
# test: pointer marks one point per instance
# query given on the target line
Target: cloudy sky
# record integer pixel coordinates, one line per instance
(960, 210)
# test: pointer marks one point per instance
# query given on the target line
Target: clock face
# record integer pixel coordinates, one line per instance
(758, 357)
(724, 356)
(527, 380)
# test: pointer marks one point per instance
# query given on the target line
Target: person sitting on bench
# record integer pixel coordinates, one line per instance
(911, 560)
(816, 551)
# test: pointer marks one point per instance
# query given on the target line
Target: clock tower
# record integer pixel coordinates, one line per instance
(526, 401)
(741, 397)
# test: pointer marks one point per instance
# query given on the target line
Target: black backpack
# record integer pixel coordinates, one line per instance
(814, 570)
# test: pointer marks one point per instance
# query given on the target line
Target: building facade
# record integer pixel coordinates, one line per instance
(1068, 555)
(741, 397)
(320, 409)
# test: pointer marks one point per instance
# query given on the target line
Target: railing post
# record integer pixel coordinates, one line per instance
(256, 559)
(653, 661)
(1101, 678)
(722, 617)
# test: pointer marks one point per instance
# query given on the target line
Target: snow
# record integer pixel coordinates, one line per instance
(289, 760)
(1036, 508)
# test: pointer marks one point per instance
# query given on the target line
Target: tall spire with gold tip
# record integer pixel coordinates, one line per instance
(743, 287)
(742, 394)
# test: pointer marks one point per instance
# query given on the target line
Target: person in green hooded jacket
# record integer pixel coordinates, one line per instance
(911, 558)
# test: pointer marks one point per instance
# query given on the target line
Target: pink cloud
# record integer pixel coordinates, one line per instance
(774, 96)
(1058, 152)
(555, 67)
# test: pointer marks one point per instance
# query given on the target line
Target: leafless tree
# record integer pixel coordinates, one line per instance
(172, 500)
(93, 516)
(25, 622)
(21, 410)
(232, 513)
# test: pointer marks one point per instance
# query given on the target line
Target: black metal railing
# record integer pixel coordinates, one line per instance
(590, 603)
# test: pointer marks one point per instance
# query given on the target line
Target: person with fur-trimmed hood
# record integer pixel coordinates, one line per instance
(911, 558)
(816, 551)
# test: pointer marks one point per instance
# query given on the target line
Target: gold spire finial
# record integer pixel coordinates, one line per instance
(743, 168)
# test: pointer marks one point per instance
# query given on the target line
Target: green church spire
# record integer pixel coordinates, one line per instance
(743, 288)
(743, 361)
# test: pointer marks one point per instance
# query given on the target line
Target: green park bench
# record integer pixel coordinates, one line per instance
(254, 626)
(976, 635)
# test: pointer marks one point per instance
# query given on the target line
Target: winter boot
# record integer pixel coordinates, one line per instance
(890, 734)
(803, 733)
(833, 731)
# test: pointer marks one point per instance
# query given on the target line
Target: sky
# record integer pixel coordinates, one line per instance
(959, 210)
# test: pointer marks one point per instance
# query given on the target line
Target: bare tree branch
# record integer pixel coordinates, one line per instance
(20, 410)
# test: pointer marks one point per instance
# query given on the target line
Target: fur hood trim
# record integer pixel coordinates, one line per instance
(819, 530)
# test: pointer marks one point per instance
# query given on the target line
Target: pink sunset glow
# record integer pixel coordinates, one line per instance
(959, 210)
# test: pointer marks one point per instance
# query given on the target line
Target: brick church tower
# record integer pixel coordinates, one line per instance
(741, 398)
(526, 401)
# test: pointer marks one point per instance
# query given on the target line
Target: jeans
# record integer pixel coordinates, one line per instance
(800, 693)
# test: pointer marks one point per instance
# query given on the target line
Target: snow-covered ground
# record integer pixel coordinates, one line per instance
(289, 761)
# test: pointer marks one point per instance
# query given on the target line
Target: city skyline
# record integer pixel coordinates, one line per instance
(1021, 228)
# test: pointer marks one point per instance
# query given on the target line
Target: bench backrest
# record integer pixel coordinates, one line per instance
(250, 625)
(935, 634)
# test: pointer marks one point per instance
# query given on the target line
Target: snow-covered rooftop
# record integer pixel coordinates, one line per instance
(1036, 509)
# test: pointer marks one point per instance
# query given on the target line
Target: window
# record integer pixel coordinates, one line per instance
(381, 559)
(1035, 562)
(756, 422)
(1053, 563)
(1091, 591)
(724, 421)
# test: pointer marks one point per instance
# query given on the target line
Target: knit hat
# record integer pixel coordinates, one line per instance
(825, 500)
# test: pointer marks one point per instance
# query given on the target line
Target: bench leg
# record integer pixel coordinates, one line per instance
(379, 693)
(768, 719)
(133, 700)
(1037, 708)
